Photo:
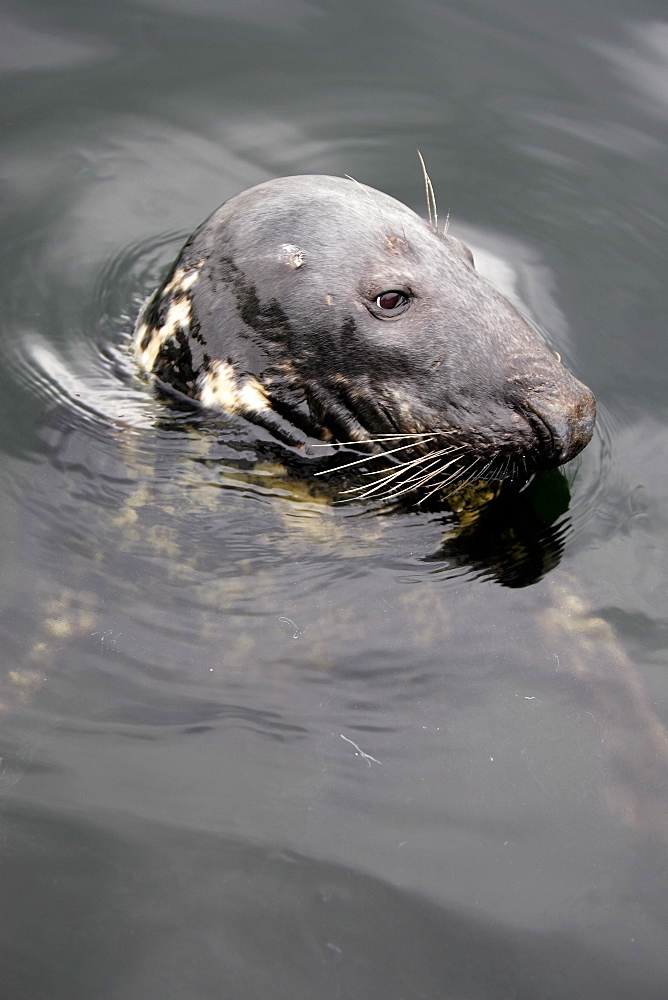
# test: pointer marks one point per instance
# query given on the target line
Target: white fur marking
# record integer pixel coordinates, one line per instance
(178, 317)
(253, 395)
(219, 389)
(182, 281)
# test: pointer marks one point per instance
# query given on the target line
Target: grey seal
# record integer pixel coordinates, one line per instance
(324, 310)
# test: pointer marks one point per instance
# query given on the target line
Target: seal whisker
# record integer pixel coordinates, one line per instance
(393, 474)
(377, 438)
(394, 491)
(447, 481)
(420, 474)
(431, 197)
(413, 485)
(398, 470)
(434, 459)
(367, 458)
(369, 489)
(425, 479)
(474, 476)
(488, 465)
(399, 480)
(439, 486)
(504, 471)
(409, 463)
(410, 488)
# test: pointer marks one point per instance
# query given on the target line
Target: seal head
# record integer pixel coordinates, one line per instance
(323, 309)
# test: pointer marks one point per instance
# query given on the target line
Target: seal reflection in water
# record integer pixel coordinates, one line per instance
(324, 310)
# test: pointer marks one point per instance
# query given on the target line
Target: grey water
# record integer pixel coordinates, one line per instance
(256, 743)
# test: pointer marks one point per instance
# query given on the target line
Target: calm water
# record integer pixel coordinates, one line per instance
(255, 744)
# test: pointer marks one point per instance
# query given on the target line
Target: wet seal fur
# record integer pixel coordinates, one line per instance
(324, 310)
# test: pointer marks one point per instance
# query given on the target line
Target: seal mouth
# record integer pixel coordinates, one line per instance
(545, 445)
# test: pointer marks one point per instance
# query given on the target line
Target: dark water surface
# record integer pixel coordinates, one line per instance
(256, 745)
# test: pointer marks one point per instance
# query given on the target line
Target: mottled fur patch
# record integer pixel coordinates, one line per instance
(219, 388)
(182, 281)
(173, 312)
(149, 342)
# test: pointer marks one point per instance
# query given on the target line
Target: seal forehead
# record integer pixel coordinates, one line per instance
(321, 207)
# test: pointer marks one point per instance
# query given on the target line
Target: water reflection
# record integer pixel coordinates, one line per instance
(514, 538)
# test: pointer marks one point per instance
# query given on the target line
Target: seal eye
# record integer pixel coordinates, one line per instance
(391, 303)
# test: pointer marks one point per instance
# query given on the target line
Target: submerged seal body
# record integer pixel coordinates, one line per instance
(322, 309)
